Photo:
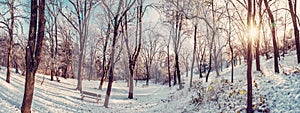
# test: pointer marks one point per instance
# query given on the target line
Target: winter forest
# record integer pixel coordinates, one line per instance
(149, 56)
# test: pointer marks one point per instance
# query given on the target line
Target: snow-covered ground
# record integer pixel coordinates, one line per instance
(271, 92)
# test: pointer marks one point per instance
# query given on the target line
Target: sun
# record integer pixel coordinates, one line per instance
(253, 32)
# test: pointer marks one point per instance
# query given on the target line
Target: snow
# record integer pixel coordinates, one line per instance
(273, 92)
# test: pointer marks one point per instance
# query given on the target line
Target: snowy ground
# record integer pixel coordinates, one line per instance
(273, 92)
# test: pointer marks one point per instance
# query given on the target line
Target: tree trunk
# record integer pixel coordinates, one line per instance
(28, 95)
(175, 77)
(284, 37)
(16, 66)
(52, 73)
(91, 63)
(201, 62)
(133, 58)
(9, 56)
(296, 30)
(199, 65)
(33, 51)
(272, 26)
(169, 70)
(257, 41)
(131, 70)
(257, 60)
(230, 45)
(52, 50)
(11, 33)
(112, 60)
(186, 68)
(249, 59)
(178, 70)
(147, 73)
(232, 61)
(104, 69)
(79, 80)
(209, 68)
(194, 54)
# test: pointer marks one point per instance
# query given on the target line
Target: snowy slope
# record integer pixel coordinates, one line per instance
(273, 92)
(62, 97)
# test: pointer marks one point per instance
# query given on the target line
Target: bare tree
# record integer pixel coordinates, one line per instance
(104, 67)
(10, 27)
(33, 51)
(257, 39)
(174, 9)
(149, 51)
(293, 13)
(230, 39)
(52, 9)
(249, 58)
(81, 25)
(194, 54)
(134, 53)
(272, 27)
(185, 55)
(9, 23)
(117, 17)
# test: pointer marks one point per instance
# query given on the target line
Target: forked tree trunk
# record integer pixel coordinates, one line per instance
(112, 60)
(33, 51)
(176, 39)
(134, 56)
(104, 69)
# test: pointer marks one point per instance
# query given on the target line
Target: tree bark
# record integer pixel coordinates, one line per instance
(296, 30)
(257, 41)
(175, 77)
(134, 57)
(79, 79)
(33, 51)
(112, 60)
(194, 54)
(209, 68)
(11, 33)
(249, 59)
(272, 27)
(147, 73)
(104, 69)
(178, 28)
(201, 62)
(131, 77)
(169, 69)
(284, 36)
(230, 45)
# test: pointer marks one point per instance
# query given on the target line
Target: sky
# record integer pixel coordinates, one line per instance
(151, 15)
